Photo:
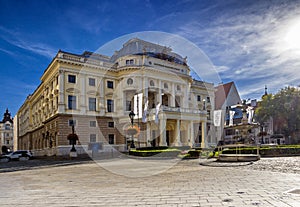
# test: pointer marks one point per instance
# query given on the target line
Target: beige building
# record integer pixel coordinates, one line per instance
(96, 93)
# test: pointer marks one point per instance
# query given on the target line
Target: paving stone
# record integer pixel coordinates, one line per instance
(185, 183)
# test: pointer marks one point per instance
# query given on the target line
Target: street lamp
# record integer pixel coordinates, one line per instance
(131, 116)
(262, 133)
(72, 141)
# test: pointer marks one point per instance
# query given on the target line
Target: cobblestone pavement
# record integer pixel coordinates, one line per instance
(176, 183)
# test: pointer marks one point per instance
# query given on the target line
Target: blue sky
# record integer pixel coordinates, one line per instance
(252, 42)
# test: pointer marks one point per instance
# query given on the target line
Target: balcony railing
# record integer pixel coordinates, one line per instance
(180, 110)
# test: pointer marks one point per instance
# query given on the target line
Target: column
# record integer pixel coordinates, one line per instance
(192, 134)
(158, 96)
(83, 101)
(177, 133)
(102, 99)
(162, 129)
(185, 99)
(61, 95)
(145, 89)
(203, 130)
(148, 133)
(173, 95)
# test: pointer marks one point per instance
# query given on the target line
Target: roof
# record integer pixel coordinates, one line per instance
(137, 46)
(221, 94)
(226, 95)
(6, 117)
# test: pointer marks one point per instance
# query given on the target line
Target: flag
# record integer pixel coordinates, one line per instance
(138, 105)
(144, 119)
(250, 113)
(231, 114)
(157, 112)
(217, 117)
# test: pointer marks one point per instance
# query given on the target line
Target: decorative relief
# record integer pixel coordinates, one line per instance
(72, 90)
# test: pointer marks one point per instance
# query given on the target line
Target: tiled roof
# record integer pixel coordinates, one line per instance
(221, 94)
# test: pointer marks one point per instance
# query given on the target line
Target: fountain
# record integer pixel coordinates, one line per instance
(242, 140)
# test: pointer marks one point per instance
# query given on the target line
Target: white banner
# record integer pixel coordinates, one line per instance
(217, 117)
(250, 113)
(231, 114)
(157, 113)
(138, 106)
(144, 119)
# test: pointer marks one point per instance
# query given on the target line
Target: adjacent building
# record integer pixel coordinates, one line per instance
(6, 133)
(95, 94)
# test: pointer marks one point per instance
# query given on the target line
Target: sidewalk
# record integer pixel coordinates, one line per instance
(180, 183)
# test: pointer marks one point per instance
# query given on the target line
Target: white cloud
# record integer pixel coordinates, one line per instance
(249, 44)
(14, 38)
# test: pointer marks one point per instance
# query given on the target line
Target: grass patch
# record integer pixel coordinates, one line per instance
(159, 151)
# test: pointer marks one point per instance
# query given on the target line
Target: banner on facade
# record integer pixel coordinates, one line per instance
(231, 115)
(138, 106)
(144, 119)
(217, 117)
(250, 113)
(157, 113)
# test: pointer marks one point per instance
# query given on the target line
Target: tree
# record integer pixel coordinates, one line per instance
(284, 108)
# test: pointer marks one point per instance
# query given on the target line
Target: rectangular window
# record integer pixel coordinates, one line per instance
(92, 123)
(92, 104)
(208, 114)
(71, 78)
(110, 105)
(208, 99)
(130, 62)
(199, 98)
(128, 105)
(111, 124)
(72, 122)
(71, 102)
(92, 82)
(110, 84)
(111, 139)
(93, 138)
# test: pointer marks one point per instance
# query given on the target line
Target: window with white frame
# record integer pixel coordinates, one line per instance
(92, 81)
(92, 104)
(92, 123)
(72, 78)
(110, 84)
(130, 62)
(93, 138)
(110, 105)
(71, 102)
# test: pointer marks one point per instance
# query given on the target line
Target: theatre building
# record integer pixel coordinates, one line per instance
(95, 94)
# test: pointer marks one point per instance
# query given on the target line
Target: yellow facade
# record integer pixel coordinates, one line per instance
(97, 92)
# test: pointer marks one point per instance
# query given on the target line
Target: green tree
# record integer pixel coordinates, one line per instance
(284, 108)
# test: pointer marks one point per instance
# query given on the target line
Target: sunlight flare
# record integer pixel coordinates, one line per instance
(293, 36)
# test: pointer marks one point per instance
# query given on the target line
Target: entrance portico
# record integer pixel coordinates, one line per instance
(176, 129)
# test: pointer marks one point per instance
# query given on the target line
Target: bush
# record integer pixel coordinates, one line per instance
(280, 150)
(152, 151)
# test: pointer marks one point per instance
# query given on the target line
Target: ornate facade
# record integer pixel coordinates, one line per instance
(6, 132)
(95, 93)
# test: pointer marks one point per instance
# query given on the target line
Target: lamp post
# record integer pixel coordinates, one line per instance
(262, 134)
(72, 141)
(131, 116)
